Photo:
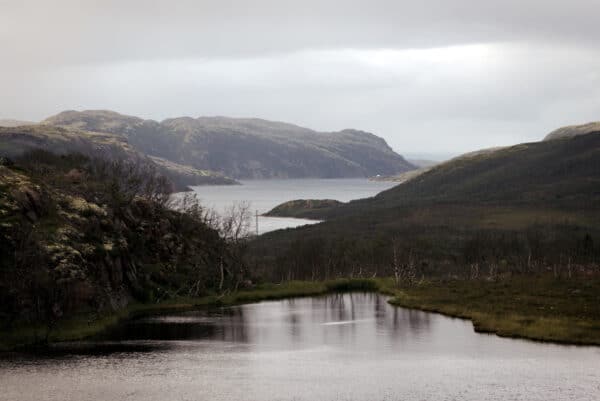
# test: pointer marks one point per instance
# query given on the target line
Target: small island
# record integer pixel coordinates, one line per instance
(303, 208)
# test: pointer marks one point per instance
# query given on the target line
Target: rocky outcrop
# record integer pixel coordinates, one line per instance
(573, 130)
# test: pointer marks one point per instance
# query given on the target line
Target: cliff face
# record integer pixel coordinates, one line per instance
(75, 237)
(247, 148)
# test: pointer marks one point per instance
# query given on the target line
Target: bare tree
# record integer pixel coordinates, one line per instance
(493, 271)
(189, 205)
(235, 222)
(474, 271)
(411, 269)
(234, 227)
(125, 181)
(396, 262)
(404, 265)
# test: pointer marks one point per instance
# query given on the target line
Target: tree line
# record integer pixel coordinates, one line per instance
(485, 254)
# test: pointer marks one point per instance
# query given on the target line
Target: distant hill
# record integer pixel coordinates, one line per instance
(428, 165)
(525, 173)
(14, 123)
(423, 163)
(402, 177)
(527, 206)
(247, 147)
(550, 173)
(17, 140)
(573, 130)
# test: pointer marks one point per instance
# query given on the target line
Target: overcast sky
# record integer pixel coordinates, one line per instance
(429, 76)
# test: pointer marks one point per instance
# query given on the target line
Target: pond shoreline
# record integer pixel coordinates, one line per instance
(486, 304)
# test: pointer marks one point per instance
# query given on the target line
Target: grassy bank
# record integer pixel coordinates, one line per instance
(542, 308)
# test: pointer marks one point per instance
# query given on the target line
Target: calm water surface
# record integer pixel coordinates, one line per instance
(337, 347)
(264, 195)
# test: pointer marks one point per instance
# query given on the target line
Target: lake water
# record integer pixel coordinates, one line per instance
(264, 195)
(337, 347)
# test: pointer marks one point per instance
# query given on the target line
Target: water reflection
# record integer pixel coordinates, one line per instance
(304, 322)
(337, 347)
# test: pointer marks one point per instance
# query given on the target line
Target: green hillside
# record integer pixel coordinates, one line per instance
(529, 204)
(563, 173)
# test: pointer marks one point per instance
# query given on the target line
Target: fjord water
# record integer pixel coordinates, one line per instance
(263, 195)
(336, 347)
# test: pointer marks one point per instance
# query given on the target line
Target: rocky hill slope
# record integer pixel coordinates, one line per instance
(15, 141)
(80, 235)
(247, 148)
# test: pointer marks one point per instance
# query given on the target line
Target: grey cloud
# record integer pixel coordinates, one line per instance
(88, 31)
(442, 76)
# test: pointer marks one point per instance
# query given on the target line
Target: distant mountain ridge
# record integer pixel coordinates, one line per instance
(247, 148)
